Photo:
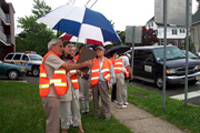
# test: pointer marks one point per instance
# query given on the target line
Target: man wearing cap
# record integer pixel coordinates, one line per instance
(122, 68)
(102, 78)
(53, 82)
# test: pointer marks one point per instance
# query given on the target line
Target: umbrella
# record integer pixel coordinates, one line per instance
(120, 49)
(80, 22)
(72, 38)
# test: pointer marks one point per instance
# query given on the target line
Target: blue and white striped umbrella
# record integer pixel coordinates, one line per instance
(81, 22)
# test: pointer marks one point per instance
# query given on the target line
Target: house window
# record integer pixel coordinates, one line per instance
(182, 31)
(174, 32)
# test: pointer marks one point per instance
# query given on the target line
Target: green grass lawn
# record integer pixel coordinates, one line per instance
(21, 112)
(186, 118)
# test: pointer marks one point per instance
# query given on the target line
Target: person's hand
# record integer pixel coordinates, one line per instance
(89, 63)
(131, 77)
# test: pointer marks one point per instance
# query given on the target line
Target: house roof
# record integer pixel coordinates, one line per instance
(196, 17)
(162, 25)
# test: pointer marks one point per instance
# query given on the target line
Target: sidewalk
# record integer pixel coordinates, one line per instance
(140, 121)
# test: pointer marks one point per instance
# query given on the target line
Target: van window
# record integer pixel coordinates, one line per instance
(172, 53)
(17, 57)
(148, 56)
(139, 55)
(9, 57)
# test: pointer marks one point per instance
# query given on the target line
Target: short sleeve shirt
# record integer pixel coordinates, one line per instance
(125, 61)
(51, 64)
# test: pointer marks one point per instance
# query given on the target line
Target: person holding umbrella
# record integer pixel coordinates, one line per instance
(102, 78)
(122, 68)
(53, 82)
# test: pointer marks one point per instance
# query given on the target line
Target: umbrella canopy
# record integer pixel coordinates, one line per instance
(120, 49)
(72, 38)
(80, 22)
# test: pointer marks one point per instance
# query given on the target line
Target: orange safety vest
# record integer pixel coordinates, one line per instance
(112, 60)
(96, 70)
(118, 67)
(59, 80)
(76, 57)
(74, 78)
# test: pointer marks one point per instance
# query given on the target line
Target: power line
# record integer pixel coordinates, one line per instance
(87, 3)
(73, 2)
(93, 4)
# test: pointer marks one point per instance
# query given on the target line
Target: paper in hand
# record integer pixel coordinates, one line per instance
(85, 55)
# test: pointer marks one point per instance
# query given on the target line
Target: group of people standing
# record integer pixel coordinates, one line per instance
(65, 89)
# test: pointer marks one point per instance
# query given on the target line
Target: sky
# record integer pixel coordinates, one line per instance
(122, 12)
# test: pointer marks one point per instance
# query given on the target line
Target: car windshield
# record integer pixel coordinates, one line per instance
(35, 57)
(171, 53)
(191, 55)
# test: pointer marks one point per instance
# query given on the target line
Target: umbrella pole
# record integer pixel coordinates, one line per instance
(76, 44)
(58, 30)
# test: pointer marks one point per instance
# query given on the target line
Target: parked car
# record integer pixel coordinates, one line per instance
(148, 65)
(31, 61)
(12, 71)
(191, 55)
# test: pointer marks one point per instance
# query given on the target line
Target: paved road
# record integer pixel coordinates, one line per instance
(175, 91)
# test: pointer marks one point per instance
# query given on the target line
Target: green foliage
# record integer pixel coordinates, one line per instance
(186, 118)
(34, 36)
(21, 112)
(121, 35)
(40, 8)
(191, 45)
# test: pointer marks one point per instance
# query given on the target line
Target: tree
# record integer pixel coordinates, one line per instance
(122, 35)
(149, 36)
(34, 36)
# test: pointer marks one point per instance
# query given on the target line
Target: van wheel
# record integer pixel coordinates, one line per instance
(13, 75)
(35, 71)
(159, 82)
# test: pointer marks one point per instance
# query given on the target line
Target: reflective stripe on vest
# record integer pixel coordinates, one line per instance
(60, 72)
(96, 70)
(43, 75)
(59, 79)
(74, 79)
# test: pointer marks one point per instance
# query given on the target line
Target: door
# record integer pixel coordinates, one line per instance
(149, 65)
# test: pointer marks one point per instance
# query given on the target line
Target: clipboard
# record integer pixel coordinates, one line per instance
(86, 54)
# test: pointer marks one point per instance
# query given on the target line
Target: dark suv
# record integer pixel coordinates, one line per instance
(148, 65)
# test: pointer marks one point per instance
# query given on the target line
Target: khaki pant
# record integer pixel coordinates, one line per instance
(70, 113)
(84, 95)
(121, 88)
(51, 108)
(101, 90)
